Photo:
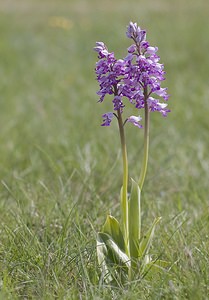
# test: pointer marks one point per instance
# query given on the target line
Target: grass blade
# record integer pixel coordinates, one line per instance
(146, 240)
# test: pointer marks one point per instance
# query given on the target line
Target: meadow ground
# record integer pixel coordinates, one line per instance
(61, 172)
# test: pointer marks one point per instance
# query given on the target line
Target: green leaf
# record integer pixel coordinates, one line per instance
(134, 220)
(146, 239)
(112, 228)
(101, 256)
(114, 253)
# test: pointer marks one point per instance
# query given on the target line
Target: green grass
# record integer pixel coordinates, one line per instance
(61, 172)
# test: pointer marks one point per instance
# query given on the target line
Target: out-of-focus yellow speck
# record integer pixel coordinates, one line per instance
(60, 22)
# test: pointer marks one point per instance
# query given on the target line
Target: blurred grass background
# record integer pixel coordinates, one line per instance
(60, 171)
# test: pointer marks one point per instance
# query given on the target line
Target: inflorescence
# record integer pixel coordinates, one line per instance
(136, 78)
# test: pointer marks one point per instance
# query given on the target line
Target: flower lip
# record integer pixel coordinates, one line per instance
(152, 50)
(101, 49)
(135, 121)
(100, 46)
(132, 48)
(118, 104)
(107, 118)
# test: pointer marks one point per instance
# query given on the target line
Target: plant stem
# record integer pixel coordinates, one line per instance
(146, 141)
(124, 200)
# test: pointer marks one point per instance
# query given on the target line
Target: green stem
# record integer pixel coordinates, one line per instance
(124, 200)
(146, 142)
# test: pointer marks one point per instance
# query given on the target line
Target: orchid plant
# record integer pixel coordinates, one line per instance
(122, 249)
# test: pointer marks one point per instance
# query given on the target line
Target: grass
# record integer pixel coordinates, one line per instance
(61, 172)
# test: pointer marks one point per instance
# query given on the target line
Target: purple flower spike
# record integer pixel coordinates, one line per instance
(135, 79)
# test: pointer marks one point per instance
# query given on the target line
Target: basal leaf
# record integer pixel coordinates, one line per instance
(102, 256)
(114, 253)
(112, 228)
